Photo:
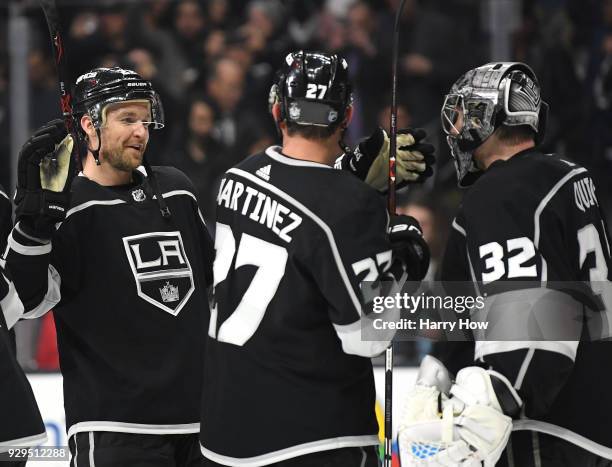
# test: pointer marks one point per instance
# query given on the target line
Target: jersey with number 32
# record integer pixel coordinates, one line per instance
(537, 218)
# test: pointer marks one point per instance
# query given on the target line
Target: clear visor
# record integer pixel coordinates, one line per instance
(154, 119)
(452, 114)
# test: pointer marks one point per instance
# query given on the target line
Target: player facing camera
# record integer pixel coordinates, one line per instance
(158, 268)
(106, 89)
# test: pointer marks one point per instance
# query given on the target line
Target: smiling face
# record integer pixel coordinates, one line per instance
(125, 134)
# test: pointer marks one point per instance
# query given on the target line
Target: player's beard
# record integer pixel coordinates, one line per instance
(123, 159)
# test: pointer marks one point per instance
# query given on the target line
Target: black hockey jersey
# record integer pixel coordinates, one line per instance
(536, 217)
(288, 373)
(128, 289)
(20, 421)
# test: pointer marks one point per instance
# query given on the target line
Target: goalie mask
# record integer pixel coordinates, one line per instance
(312, 89)
(503, 93)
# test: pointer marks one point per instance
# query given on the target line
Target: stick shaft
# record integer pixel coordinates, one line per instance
(388, 451)
(53, 22)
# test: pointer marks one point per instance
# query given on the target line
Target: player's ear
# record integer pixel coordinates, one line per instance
(276, 112)
(348, 116)
(88, 126)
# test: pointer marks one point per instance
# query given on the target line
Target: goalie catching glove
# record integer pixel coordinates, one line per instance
(467, 425)
(45, 172)
(370, 159)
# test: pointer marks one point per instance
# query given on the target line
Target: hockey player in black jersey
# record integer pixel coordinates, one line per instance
(289, 380)
(122, 255)
(526, 217)
(20, 425)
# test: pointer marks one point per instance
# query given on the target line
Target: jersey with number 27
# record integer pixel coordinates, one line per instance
(290, 374)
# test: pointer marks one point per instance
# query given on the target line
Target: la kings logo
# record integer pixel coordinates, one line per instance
(161, 269)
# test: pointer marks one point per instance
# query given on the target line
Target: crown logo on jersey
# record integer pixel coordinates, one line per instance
(264, 172)
(139, 195)
(169, 293)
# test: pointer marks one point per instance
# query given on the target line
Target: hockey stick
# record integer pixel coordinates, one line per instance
(388, 451)
(53, 22)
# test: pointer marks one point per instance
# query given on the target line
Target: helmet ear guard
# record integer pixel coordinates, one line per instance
(273, 96)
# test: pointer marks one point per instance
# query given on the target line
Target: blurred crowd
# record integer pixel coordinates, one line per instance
(213, 62)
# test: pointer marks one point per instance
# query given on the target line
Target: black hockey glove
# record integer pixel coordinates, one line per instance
(370, 159)
(409, 246)
(45, 172)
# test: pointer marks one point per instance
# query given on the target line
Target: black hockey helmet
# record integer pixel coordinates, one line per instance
(95, 90)
(312, 88)
(101, 87)
(495, 94)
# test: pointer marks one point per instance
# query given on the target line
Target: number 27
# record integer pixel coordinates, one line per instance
(270, 260)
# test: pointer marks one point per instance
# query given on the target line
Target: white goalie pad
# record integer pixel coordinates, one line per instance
(466, 430)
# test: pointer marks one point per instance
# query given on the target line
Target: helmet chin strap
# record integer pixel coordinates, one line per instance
(96, 152)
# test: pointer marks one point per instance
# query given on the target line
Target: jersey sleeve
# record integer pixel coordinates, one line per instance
(207, 246)
(353, 248)
(455, 276)
(44, 271)
(205, 240)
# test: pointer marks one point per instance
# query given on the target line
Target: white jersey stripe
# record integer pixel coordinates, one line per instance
(94, 202)
(91, 449)
(11, 305)
(274, 153)
(538, 212)
(121, 427)
(35, 440)
(35, 250)
(563, 433)
(293, 451)
(484, 348)
(51, 298)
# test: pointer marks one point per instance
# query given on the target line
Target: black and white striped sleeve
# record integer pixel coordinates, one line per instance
(352, 249)
(40, 268)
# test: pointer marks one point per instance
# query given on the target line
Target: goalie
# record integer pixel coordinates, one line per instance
(527, 217)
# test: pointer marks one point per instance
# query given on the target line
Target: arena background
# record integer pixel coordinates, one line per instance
(213, 62)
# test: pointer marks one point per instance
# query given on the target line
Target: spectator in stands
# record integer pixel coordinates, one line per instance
(369, 68)
(93, 37)
(43, 86)
(199, 154)
(428, 62)
(218, 14)
(238, 127)
(189, 30)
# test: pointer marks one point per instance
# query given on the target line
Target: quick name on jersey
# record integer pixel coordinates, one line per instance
(259, 207)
